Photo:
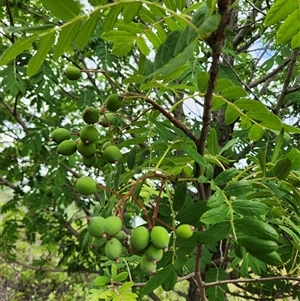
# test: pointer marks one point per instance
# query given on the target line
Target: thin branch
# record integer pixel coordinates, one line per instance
(272, 73)
(286, 81)
(258, 280)
(5, 182)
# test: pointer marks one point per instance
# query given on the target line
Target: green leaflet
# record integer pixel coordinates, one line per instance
(193, 154)
(256, 132)
(131, 10)
(234, 92)
(86, 29)
(258, 245)
(202, 81)
(17, 48)
(226, 176)
(212, 142)
(111, 17)
(294, 156)
(157, 280)
(280, 10)
(271, 258)
(170, 282)
(216, 200)
(166, 51)
(27, 29)
(44, 47)
(179, 196)
(63, 10)
(238, 188)
(215, 215)
(278, 146)
(254, 228)
(66, 36)
(249, 208)
(282, 168)
(214, 233)
(289, 28)
(231, 114)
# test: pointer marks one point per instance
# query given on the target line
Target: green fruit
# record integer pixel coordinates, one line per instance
(112, 154)
(72, 73)
(90, 115)
(60, 134)
(98, 243)
(113, 249)
(86, 186)
(113, 225)
(121, 236)
(95, 226)
(139, 238)
(88, 162)
(113, 102)
(87, 151)
(147, 266)
(67, 147)
(185, 231)
(105, 145)
(107, 119)
(154, 254)
(159, 237)
(88, 134)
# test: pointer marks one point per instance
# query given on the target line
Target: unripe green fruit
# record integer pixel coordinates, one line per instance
(72, 73)
(113, 249)
(154, 254)
(112, 154)
(105, 145)
(90, 115)
(86, 185)
(95, 226)
(87, 151)
(147, 266)
(89, 134)
(67, 148)
(60, 134)
(121, 236)
(185, 231)
(107, 119)
(113, 225)
(139, 238)
(88, 162)
(113, 102)
(98, 243)
(159, 237)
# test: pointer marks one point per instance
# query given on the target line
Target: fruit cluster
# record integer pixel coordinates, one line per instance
(108, 237)
(106, 234)
(86, 144)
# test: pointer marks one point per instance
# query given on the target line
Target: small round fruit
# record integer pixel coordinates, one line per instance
(98, 243)
(159, 237)
(121, 236)
(147, 266)
(113, 249)
(154, 254)
(112, 154)
(107, 119)
(113, 102)
(67, 148)
(72, 73)
(105, 145)
(88, 162)
(89, 134)
(87, 151)
(185, 231)
(60, 134)
(139, 238)
(95, 226)
(90, 115)
(86, 185)
(113, 225)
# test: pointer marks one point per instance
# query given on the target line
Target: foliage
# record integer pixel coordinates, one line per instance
(208, 131)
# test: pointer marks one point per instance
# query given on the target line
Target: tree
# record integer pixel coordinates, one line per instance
(205, 112)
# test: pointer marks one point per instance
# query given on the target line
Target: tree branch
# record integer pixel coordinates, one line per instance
(287, 80)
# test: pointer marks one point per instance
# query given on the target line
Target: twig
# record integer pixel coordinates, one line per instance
(286, 81)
